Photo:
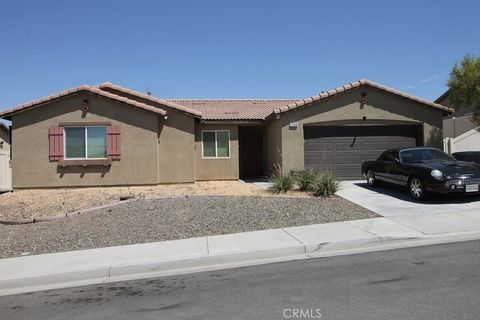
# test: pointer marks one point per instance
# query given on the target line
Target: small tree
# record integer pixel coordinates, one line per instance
(464, 85)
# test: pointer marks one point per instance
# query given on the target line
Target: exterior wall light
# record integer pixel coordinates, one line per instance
(85, 106)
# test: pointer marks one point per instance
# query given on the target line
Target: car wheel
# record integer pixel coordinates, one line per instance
(371, 181)
(417, 190)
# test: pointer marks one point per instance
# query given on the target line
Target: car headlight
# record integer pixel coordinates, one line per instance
(437, 174)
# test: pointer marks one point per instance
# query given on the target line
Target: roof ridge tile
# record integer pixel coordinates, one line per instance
(148, 97)
(226, 100)
(83, 87)
(216, 109)
(356, 84)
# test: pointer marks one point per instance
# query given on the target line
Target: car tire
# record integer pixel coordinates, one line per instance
(371, 181)
(416, 188)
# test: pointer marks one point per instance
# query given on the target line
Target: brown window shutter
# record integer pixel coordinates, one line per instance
(55, 138)
(113, 142)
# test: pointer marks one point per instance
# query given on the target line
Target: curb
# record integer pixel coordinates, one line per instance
(107, 273)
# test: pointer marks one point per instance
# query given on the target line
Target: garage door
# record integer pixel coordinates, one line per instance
(341, 149)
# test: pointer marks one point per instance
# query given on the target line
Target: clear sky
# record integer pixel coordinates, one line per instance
(231, 49)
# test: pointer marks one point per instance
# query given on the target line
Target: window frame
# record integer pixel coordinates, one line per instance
(86, 142)
(216, 144)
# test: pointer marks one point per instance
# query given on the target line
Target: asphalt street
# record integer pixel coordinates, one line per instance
(433, 282)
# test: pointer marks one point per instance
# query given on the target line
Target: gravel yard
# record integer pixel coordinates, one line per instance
(35, 203)
(148, 220)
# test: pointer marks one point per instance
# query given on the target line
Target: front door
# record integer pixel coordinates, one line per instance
(251, 147)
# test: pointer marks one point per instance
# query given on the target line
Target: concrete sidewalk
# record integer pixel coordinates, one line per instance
(76, 268)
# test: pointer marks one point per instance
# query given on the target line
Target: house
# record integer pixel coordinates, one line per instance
(5, 170)
(459, 131)
(457, 123)
(108, 135)
(4, 137)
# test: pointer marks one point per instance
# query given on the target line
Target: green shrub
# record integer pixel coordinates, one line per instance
(326, 185)
(280, 182)
(304, 179)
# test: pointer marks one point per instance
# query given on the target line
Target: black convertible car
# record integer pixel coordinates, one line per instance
(423, 170)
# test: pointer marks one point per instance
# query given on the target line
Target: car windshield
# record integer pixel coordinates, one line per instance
(424, 155)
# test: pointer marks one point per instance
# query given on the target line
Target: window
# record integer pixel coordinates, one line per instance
(424, 155)
(216, 144)
(389, 156)
(392, 157)
(85, 142)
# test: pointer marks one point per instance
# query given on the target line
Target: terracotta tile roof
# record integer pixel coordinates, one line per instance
(221, 109)
(149, 97)
(233, 109)
(41, 101)
(353, 85)
(260, 109)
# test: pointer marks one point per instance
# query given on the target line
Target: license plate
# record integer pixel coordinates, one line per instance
(471, 188)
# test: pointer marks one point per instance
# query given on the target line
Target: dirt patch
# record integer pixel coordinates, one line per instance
(35, 203)
(150, 220)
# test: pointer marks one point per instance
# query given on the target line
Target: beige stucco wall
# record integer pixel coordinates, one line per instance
(141, 145)
(272, 146)
(176, 148)
(4, 137)
(216, 169)
(345, 109)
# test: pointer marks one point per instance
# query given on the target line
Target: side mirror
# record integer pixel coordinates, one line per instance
(397, 160)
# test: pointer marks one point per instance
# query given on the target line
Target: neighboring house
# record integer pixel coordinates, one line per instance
(4, 137)
(459, 131)
(108, 135)
(5, 169)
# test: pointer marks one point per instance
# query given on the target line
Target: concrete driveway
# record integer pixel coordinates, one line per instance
(392, 201)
